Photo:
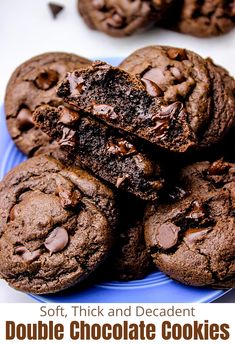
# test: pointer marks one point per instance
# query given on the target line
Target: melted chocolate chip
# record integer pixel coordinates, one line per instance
(197, 212)
(177, 54)
(104, 111)
(153, 89)
(24, 119)
(167, 235)
(171, 110)
(121, 147)
(57, 240)
(68, 116)
(76, 84)
(68, 137)
(26, 254)
(195, 234)
(46, 79)
(155, 75)
(218, 167)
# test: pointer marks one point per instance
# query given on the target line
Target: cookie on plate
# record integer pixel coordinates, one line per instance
(110, 155)
(191, 232)
(204, 18)
(207, 91)
(56, 225)
(32, 84)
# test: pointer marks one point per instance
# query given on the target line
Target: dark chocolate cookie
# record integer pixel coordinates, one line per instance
(191, 232)
(32, 84)
(206, 90)
(56, 225)
(130, 259)
(125, 102)
(120, 17)
(204, 18)
(121, 161)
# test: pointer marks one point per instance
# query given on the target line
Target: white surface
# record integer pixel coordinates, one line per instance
(27, 29)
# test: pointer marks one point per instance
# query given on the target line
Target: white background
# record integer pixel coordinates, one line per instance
(27, 29)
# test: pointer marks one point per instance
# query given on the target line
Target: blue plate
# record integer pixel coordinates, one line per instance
(156, 287)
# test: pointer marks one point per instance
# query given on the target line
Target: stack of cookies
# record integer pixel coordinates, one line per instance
(125, 17)
(130, 167)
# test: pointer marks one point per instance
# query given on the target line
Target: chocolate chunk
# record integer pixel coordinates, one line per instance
(57, 240)
(177, 54)
(195, 234)
(218, 167)
(55, 9)
(197, 212)
(167, 235)
(68, 116)
(104, 111)
(68, 137)
(26, 254)
(121, 147)
(155, 75)
(24, 119)
(153, 89)
(121, 180)
(46, 79)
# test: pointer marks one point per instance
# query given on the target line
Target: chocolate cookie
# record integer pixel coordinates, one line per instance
(32, 84)
(206, 90)
(130, 259)
(191, 233)
(110, 155)
(56, 225)
(125, 102)
(204, 18)
(119, 17)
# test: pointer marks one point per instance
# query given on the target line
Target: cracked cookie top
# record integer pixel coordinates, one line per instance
(56, 225)
(191, 231)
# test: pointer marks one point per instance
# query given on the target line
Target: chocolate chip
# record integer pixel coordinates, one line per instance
(26, 254)
(167, 235)
(121, 180)
(218, 167)
(121, 147)
(98, 4)
(75, 83)
(46, 79)
(104, 111)
(24, 119)
(69, 199)
(68, 137)
(197, 211)
(195, 234)
(171, 110)
(116, 20)
(177, 54)
(55, 9)
(57, 240)
(177, 74)
(68, 116)
(153, 89)
(155, 75)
